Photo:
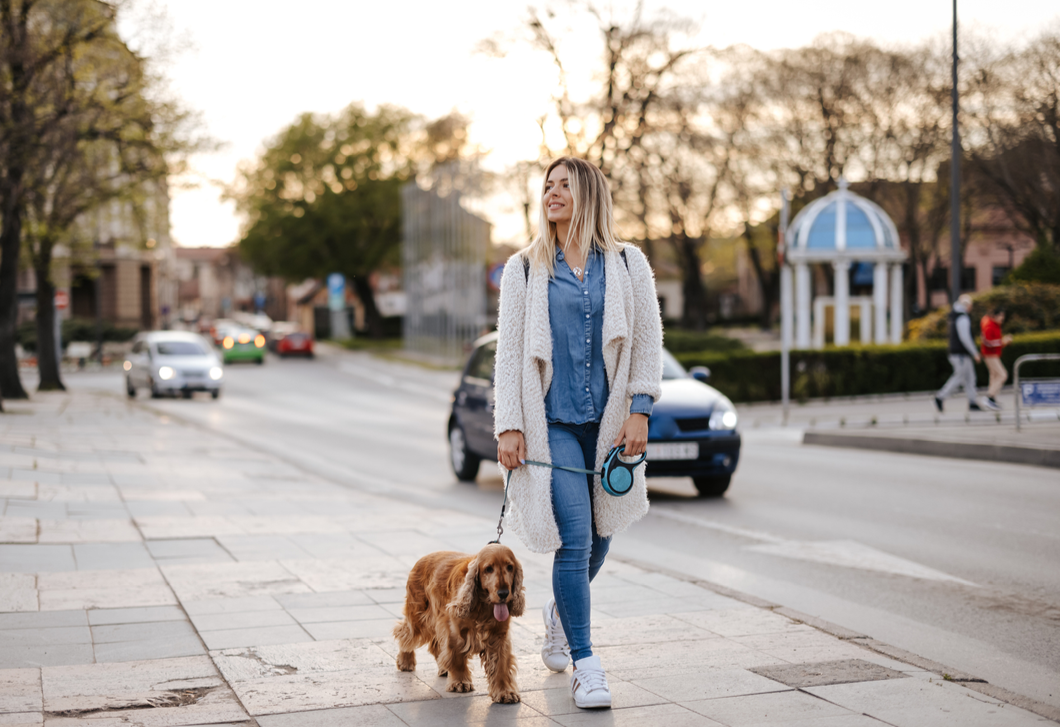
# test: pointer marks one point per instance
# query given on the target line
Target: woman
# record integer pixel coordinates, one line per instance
(578, 368)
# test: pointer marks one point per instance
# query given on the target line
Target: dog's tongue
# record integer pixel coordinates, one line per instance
(500, 611)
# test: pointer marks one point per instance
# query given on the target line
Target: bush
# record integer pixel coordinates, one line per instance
(74, 329)
(857, 370)
(1029, 307)
(1041, 266)
(680, 341)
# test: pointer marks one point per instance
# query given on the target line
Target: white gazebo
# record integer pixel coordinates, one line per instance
(842, 228)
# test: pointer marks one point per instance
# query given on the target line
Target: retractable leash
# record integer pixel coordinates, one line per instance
(616, 478)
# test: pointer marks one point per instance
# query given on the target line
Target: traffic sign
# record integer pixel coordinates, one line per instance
(1040, 393)
(62, 300)
(337, 291)
(496, 271)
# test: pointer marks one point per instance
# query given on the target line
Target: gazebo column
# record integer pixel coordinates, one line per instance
(897, 305)
(879, 302)
(802, 306)
(841, 333)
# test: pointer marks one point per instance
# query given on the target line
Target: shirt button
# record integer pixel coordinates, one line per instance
(585, 292)
(587, 340)
(587, 365)
(586, 388)
(586, 315)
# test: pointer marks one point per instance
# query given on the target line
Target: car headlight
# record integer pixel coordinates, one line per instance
(723, 416)
(166, 373)
(127, 365)
(259, 340)
(216, 373)
(228, 342)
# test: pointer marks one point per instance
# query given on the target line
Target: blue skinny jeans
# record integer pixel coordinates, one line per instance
(582, 554)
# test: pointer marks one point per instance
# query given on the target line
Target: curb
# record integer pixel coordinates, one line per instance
(867, 642)
(1035, 456)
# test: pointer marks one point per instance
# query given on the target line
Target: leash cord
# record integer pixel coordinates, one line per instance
(508, 480)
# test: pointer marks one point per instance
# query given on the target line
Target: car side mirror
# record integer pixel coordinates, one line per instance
(700, 373)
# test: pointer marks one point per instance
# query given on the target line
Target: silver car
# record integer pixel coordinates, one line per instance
(171, 362)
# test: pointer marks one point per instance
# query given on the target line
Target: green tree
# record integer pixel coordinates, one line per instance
(325, 197)
(81, 124)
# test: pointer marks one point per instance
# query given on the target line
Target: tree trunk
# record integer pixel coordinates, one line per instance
(767, 280)
(47, 355)
(694, 315)
(372, 320)
(10, 241)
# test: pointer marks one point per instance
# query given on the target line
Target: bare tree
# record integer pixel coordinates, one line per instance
(1013, 107)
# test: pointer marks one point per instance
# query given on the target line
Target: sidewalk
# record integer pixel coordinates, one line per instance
(909, 423)
(153, 574)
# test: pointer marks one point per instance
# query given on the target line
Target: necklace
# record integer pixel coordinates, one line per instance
(578, 271)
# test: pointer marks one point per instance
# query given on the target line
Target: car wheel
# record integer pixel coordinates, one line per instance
(129, 388)
(155, 393)
(713, 486)
(464, 463)
(261, 361)
(215, 393)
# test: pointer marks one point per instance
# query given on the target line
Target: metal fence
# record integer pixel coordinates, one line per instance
(444, 253)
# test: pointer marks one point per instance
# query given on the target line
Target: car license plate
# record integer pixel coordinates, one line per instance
(682, 450)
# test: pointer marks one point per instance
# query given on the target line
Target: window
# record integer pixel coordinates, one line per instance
(940, 279)
(481, 365)
(179, 348)
(997, 275)
(138, 347)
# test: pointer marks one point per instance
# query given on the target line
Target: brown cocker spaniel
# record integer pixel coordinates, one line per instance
(459, 605)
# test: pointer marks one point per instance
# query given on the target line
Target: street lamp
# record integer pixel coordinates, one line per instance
(955, 182)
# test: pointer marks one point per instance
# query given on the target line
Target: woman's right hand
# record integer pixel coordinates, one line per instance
(511, 449)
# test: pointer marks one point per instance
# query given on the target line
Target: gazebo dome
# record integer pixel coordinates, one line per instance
(843, 226)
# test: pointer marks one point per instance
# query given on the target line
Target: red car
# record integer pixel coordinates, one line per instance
(295, 344)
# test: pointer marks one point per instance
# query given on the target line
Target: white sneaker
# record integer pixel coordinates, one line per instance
(556, 652)
(588, 685)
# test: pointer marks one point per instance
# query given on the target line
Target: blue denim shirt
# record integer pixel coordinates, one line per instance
(579, 390)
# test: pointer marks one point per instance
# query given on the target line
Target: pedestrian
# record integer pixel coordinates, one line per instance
(992, 346)
(962, 351)
(578, 369)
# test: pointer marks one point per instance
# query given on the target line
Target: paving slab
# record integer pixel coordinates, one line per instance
(372, 715)
(20, 690)
(103, 589)
(36, 558)
(709, 683)
(146, 614)
(231, 580)
(179, 690)
(18, 592)
(118, 556)
(670, 715)
(923, 703)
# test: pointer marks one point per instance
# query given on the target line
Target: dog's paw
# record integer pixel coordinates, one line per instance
(406, 661)
(511, 697)
(460, 687)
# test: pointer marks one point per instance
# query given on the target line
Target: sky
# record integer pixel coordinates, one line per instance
(252, 67)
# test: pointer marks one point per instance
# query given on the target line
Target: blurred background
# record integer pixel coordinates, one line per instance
(216, 163)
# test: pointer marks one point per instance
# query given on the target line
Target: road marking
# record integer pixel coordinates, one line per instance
(844, 553)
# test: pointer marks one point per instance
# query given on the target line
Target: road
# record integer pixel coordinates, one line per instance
(956, 561)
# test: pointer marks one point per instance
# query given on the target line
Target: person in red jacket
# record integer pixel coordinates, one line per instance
(992, 345)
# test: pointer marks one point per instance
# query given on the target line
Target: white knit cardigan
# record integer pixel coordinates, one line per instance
(632, 347)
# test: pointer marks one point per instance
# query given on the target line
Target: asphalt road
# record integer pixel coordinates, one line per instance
(955, 561)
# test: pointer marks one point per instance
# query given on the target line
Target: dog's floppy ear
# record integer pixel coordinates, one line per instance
(464, 600)
(518, 603)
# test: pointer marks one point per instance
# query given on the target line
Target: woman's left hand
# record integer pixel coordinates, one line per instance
(634, 434)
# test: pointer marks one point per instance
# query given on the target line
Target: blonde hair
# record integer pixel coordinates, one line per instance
(592, 221)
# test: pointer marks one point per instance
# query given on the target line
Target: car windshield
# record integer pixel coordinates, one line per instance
(672, 369)
(179, 348)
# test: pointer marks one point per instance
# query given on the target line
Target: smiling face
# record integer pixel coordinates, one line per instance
(558, 200)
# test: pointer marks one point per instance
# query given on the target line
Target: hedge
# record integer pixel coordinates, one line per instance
(681, 341)
(857, 370)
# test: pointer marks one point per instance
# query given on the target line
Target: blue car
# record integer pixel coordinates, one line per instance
(691, 433)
